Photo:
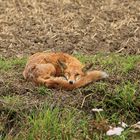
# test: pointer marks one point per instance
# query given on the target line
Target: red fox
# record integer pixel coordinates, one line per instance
(59, 70)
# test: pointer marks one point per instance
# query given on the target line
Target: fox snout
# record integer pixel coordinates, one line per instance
(72, 79)
(71, 82)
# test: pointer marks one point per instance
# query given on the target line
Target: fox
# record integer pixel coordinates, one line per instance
(60, 70)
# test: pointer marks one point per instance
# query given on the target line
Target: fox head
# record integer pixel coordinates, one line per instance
(73, 74)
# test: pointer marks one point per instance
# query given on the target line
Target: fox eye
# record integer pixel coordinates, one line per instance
(77, 74)
(66, 76)
(46, 77)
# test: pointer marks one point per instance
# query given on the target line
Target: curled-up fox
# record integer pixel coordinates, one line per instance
(59, 70)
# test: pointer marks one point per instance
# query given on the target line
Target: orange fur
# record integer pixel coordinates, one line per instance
(51, 68)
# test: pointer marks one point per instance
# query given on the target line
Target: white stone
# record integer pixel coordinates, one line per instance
(115, 131)
(97, 109)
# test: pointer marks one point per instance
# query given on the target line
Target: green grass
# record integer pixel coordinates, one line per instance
(55, 124)
(120, 103)
(114, 64)
(43, 90)
(8, 64)
(119, 98)
(13, 101)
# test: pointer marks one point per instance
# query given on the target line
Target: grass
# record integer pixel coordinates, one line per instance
(55, 124)
(13, 101)
(119, 99)
(43, 90)
(12, 63)
(113, 63)
(123, 103)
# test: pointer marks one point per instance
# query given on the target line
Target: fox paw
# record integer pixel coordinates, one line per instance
(104, 75)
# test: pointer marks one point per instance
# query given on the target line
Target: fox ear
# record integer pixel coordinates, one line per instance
(87, 67)
(62, 64)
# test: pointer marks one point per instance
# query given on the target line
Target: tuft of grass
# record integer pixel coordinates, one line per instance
(43, 90)
(119, 104)
(55, 124)
(13, 102)
(7, 64)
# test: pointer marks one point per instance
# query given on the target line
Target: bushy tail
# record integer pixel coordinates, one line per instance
(90, 77)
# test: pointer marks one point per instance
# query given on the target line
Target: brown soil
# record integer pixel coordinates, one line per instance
(69, 25)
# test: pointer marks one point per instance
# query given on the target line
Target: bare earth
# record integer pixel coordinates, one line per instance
(69, 25)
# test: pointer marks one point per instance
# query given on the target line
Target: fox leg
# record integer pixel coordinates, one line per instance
(58, 82)
(40, 80)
